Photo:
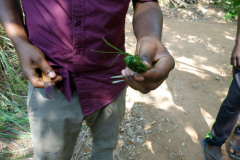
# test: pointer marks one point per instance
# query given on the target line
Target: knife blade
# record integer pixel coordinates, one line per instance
(49, 92)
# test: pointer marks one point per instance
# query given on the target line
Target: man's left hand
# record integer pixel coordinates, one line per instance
(158, 60)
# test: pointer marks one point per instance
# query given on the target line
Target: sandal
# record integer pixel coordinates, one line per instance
(204, 144)
(233, 155)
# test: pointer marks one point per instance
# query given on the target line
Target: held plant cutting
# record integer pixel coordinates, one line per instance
(133, 62)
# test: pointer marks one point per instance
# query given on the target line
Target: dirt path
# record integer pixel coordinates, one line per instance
(179, 113)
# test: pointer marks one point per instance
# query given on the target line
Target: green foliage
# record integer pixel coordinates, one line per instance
(231, 7)
(135, 63)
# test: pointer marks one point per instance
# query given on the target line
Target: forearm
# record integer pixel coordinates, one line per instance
(238, 29)
(11, 17)
(147, 20)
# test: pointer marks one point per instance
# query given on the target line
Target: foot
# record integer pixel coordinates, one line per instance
(236, 142)
(215, 150)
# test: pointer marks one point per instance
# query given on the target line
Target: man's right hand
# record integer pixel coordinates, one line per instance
(32, 58)
(235, 57)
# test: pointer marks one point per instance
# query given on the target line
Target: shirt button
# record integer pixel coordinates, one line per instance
(77, 74)
(77, 52)
(78, 23)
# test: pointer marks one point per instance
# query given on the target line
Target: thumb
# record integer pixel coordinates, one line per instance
(146, 51)
(147, 64)
(45, 67)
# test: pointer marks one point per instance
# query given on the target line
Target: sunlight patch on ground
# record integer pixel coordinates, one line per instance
(200, 58)
(149, 146)
(147, 126)
(208, 118)
(163, 97)
(188, 69)
(129, 17)
(222, 93)
(230, 38)
(203, 9)
(184, 59)
(227, 33)
(165, 28)
(120, 143)
(192, 133)
(191, 68)
(161, 90)
(212, 48)
(210, 68)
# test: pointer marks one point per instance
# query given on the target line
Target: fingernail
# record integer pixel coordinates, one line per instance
(147, 64)
(52, 74)
(130, 72)
(137, 75)
(123, 73)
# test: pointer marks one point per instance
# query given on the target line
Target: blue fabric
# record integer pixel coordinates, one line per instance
(228, 114)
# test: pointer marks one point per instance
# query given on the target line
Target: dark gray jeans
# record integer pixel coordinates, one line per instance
(228, 114)
(55, 125)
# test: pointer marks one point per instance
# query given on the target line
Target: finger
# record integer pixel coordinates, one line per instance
(147, 64)
(143, 87)
(231, 149)
(41, 62)
(33, 77)
(160, 70)
(129, 71)
(234, 62)
(58, 78)
(138, 77)
(131, 83)
(53, 84)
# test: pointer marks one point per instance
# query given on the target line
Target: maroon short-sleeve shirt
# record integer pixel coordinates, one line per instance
(66, 31)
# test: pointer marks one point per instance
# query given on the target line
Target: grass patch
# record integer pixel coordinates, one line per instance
(14, 122)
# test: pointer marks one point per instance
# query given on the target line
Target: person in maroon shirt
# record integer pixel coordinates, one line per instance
(58, 37)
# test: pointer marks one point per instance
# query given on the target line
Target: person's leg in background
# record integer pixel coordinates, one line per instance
(226, 118)
(104, 126)
(55, 125)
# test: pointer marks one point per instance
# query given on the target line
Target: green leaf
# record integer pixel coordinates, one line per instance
(14, 121)
(24, 156)
(22, 136)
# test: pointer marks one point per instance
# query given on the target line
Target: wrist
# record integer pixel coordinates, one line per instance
(153, 35)
(156, 35)
(20, 42)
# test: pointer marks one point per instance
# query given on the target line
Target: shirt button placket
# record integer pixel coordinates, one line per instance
(78, 23)
(77, 52)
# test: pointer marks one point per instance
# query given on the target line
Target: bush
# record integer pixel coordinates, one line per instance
(231, 7)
